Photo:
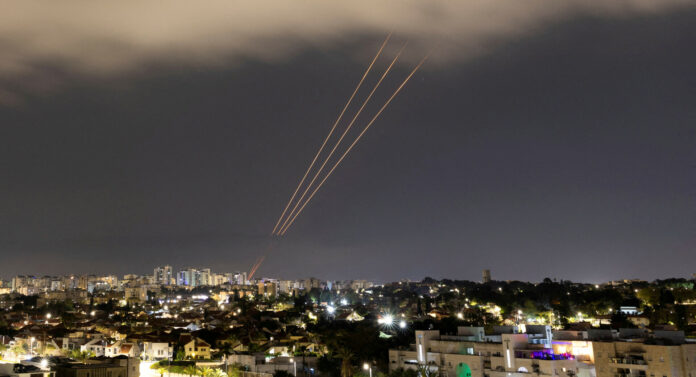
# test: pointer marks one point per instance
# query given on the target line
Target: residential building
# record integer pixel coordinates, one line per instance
(194, 347)
(19, 370)
(661, 354)
(121, 348)
(506, 352)
(162, 275)
(136, 294)
(153, 350)
(96, 346)
(116, 367)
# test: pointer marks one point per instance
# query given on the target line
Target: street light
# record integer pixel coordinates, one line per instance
(367, 366)
(388, 320)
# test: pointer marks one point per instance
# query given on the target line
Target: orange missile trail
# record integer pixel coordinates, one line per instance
(255, 267)
(340, 139)
(299, 185)
(285, 228)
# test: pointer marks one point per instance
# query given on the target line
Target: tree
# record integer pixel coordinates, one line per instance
(620, 320)
(205, 371)
(346, 366)
(20, 348)
(235, 370)
(649, 296)
(426, 371)
(217, 373)
(81, 356)
(680, 317)
(161, 371)
(191, 370)
(180, 355)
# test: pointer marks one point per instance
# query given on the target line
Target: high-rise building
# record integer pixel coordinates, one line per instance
(193, 277)
(187, 277)
(486, 276)
(238, 278)
(162, 275)
(204, 277)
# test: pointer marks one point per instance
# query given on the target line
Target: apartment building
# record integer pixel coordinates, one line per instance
(661, 354)
(509, 352)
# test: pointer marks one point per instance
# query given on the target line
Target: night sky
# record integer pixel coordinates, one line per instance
(561, 147)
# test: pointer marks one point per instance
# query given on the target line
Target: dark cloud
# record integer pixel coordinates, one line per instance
(105, 39)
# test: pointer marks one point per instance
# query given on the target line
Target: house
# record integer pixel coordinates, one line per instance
(157, 350)
(121, 348)
(194, 347)
(95, 346)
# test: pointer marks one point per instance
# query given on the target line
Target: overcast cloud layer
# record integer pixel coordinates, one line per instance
(44, 43)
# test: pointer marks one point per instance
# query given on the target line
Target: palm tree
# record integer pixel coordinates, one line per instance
(206, 371)
(191, 370)
(425, 371)
(303, 349)
(217, 373)
(346, 366)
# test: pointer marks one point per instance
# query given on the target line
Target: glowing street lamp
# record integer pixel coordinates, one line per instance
(388, 320)
(367, 366)
(402, 324)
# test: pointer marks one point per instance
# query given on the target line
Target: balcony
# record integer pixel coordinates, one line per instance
(629, 363)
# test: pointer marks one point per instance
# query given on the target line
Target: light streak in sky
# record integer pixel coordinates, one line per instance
(292, 220)
(314, 160)
(345, 132)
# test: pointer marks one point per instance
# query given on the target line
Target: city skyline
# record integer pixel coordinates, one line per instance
(545, 142)
(189, 276)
